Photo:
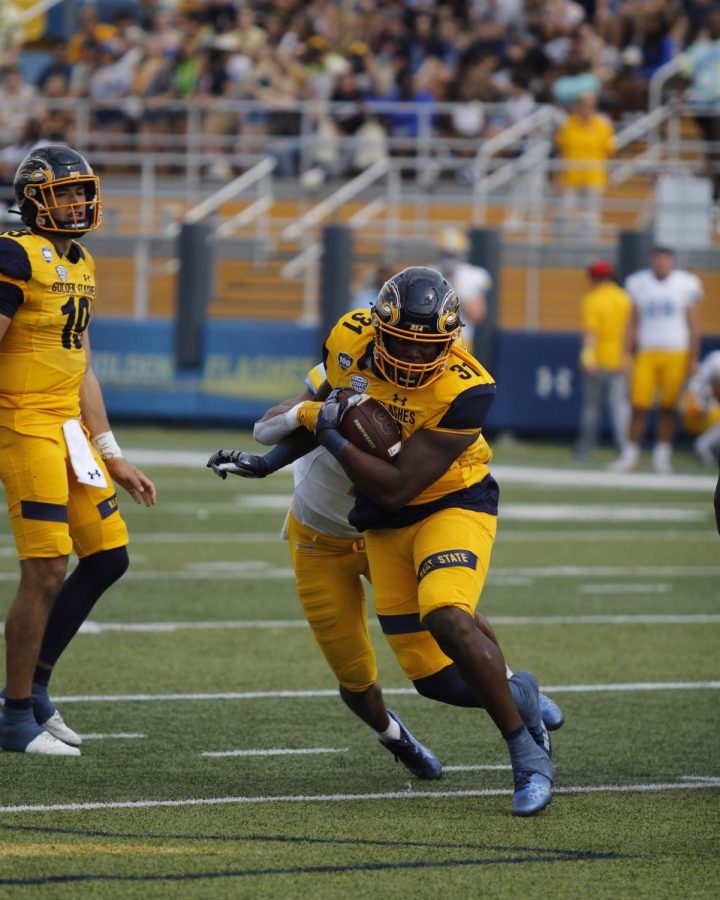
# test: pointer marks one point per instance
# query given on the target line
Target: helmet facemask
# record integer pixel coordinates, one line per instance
(86, 213)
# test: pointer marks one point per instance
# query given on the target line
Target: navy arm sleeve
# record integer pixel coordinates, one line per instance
(14, 264)
(469, 409)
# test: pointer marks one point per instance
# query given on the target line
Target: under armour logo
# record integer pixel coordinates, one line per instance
(398, 399)
(96, 474)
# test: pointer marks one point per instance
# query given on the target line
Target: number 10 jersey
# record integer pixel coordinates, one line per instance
(49, 297)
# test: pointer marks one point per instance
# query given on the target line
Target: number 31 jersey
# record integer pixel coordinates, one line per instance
(456, 402)
(48, 296)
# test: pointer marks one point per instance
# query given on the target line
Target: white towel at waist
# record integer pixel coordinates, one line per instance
(83, 462)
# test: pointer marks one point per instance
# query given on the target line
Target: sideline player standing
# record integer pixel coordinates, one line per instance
(701, 408)
(430, 519)
(58, 488)
(664, 326)
(471, 282)
(716, 499)
(605, 313)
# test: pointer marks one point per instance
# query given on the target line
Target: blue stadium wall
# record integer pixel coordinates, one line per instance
(250, 365)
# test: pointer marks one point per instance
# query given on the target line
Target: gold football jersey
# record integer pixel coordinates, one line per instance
(42, 358)
(456, 402)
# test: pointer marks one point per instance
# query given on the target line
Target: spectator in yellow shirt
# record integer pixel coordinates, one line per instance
(585, 141)
(90, 31)
(606, 312)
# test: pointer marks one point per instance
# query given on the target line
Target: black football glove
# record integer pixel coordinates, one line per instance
(332, 411)
(238, 462)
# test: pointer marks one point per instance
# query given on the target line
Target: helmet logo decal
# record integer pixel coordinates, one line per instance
(388, 303)
(448, 314)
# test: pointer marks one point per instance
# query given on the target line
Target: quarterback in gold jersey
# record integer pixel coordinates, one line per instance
(429, 517)
(58, 483)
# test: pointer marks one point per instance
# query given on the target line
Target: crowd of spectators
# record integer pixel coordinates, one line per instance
(494, 59)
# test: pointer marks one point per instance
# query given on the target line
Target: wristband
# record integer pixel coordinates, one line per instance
(279, 457)
(308, 412)
(107, 446)
(332, 441)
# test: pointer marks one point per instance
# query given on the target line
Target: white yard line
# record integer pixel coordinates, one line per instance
(278, 751)
(595, 535)
(205, 537)
(710, 782)
(620, 619)
(596, 512)
(608, 571)
(510, 474)
(524, 512)
(258, 570)
(296, 695)
(624, 588)
(93, 628)
(169, 627)
(641, 481)
(589, 535)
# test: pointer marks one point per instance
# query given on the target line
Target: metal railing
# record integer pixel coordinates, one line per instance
(515, 163)
(660, 78)
(305, 228)
(536, 130)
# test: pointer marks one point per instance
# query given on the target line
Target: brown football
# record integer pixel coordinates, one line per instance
(370, 427)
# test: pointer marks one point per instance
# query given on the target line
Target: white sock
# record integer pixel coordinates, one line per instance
(707, 443)
(508, 671)
(662, 451)
(391, 733)
(631, 452)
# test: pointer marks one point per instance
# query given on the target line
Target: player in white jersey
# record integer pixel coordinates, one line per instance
(471, 282)
(701, 408)
(664, 330)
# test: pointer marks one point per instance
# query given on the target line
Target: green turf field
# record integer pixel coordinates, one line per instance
(196, 672)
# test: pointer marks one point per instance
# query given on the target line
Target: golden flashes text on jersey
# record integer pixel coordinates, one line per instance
(70, 287)
(401, 415)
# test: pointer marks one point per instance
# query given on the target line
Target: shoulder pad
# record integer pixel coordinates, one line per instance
(14, 260)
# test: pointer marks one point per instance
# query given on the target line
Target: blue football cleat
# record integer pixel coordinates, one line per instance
(47, 717)
(553, 717)
(533, 792)
(528, 704)
(19, 734)
(541, 736)
(411, 753)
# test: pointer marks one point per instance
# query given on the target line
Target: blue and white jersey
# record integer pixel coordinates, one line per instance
(662, 306)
